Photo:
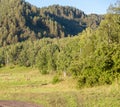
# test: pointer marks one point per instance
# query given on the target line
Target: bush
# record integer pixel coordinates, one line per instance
(43, 72)
(56, 79)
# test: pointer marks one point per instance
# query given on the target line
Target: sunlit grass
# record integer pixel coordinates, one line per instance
(27, 84)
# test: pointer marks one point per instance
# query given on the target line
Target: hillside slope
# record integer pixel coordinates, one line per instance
(20, 21)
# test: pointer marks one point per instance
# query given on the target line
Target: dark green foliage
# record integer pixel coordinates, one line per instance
(2, 57)
(97, 65)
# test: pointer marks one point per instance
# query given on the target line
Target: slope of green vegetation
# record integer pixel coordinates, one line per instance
(20, 21)
(92, 57)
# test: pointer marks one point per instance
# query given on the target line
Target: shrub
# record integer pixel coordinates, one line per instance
(43, 72)
(56, 79)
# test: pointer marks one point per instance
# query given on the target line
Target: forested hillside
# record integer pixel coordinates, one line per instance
(92, 56)
(20, 21)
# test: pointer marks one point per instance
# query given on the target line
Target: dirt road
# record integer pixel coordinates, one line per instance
(17, 104)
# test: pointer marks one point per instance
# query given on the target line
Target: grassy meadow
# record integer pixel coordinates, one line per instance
(27, 84)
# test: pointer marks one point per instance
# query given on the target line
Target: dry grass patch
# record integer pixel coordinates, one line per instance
(27, 84)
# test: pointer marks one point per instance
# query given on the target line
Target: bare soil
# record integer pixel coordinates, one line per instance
(17, 104)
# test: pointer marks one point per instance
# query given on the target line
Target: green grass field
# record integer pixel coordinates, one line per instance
(27, 84)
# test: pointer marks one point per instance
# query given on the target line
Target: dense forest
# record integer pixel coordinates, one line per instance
(20, 21)
(90, 51)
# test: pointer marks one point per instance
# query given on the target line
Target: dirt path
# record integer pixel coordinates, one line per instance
(17, 104)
